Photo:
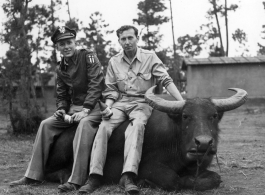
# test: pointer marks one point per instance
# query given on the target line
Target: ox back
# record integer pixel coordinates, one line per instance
(163, 162)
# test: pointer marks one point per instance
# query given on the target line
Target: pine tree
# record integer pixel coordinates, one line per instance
(19, 70)
(150, 17)
(95, 38)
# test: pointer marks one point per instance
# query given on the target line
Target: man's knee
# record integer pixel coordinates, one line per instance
(85, 121)
(47, 122)
(87, 125)
(138, 122)
(105, 129)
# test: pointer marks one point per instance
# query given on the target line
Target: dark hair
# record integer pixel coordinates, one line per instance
(126, 27)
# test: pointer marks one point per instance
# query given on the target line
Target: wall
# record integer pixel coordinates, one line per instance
(214, 80)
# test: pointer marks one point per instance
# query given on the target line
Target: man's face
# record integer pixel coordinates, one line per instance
(128, 40)
(66, 47)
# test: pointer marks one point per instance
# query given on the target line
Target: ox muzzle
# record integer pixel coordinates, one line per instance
(203, 145)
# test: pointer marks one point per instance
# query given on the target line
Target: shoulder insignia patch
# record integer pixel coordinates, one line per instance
(91, 59)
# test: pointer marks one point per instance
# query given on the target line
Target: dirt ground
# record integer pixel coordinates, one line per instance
(241, 157)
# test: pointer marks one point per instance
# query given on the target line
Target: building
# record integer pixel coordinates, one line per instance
(211, 77)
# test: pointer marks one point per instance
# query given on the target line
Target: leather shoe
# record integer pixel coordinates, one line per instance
(68, 187)
(25, 181)
(126, 182)
(92, 183)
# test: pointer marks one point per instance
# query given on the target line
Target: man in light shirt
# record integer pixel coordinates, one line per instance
(129, 75)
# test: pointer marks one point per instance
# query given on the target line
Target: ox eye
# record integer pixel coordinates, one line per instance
(185, 117)
(214, 116)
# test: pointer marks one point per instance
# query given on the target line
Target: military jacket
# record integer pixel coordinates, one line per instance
(80, 81)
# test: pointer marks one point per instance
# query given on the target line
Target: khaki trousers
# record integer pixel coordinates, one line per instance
(138, 114)
(82, 145)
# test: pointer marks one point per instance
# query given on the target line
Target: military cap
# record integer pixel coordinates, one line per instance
(63, 32)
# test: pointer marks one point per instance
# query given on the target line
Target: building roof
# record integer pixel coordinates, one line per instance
(222, 60)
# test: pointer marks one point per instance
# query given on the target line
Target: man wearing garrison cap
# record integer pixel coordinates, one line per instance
(79, 86)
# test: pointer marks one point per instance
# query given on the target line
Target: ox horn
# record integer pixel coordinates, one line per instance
(233, 102)
(163, 105)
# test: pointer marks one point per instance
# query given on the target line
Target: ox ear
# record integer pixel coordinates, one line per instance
(220, 115)
(161, 104)
(232, 102)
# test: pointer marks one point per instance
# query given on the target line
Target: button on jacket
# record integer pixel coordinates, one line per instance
(80, 81)
(134, 77)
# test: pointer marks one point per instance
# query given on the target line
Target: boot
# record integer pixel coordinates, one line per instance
(127, 183)
(24, 181)
(68, 187)
(92, 183)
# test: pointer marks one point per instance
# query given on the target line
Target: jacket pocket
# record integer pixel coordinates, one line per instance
(144, 81)
(121, 81)
(145, 76)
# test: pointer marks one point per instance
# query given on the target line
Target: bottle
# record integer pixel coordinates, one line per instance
(67, 118)
(105, 110)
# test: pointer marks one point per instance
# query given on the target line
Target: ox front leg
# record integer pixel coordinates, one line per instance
(206, 180)
(159, 175)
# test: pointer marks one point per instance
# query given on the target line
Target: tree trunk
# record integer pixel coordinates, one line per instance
(27, 84)
(219, 29)
(69, 10)
(54, 57)
(226, 25)
(148, 40)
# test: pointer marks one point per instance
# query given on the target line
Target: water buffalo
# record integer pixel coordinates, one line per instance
(180, 142)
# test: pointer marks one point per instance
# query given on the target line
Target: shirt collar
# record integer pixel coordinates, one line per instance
(73, 58)
(138, 54)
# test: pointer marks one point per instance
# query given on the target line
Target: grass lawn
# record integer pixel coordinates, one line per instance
(241, 157)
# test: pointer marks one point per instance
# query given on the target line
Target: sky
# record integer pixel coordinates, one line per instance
(188, 15)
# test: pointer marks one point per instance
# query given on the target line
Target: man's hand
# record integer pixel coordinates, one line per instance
(107, 113)
(59, 114)
(79, 115)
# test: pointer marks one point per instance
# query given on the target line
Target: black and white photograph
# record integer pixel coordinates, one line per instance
(133, 97)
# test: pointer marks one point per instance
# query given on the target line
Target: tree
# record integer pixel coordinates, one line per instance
(72, 22)
(18, 68)
(209, 36)
(261, 50)
(149, 16)
(240, 37)
(95, 37)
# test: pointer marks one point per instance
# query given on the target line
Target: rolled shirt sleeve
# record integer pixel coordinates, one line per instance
(111, 91)
(160, 72)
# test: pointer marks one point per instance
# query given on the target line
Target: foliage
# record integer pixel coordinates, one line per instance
(96, 33)
(46, 28)
(23, 123)
(17, 67)
(261, 50)
(241, 37)
(190, 45)
(150, 17)
(209, 36)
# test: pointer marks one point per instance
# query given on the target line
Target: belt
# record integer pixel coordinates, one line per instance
(132, 95)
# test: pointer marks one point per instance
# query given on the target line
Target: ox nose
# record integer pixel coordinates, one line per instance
(203, 142)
